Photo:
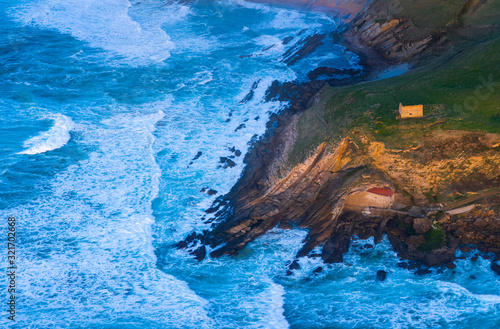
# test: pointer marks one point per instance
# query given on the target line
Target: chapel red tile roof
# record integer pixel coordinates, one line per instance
(381, 191)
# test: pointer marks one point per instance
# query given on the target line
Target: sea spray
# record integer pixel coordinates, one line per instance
(55, 138)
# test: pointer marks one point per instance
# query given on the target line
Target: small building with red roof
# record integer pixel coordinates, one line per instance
(377, 197)
(381, 191)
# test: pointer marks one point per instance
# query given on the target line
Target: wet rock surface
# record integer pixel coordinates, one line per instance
(381, 275)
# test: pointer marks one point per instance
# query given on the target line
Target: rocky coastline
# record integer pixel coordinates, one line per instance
(313, 194)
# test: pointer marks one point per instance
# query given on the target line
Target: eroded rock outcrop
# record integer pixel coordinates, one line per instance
(312, 195)
(395, 40)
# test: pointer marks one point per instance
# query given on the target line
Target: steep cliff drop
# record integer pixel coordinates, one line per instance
(313, 194)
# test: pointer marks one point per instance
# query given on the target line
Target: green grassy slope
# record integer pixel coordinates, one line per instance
(460, 91)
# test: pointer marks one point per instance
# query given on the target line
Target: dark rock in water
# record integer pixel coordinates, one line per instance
(211, 210)
(495, 267)
(267, 48)
(368, 246)
(219, 202)
(288, 273)
(250, 94)
(230, 163)
(248, 97)
(303, 48)
(413, 265)
(381, 275)
(241, 126)
(402, 265)
(200, 253)
(423, 271)
(318, 270)
(198, 155)
(209, 192)
(235, 151)
(473, 277)
(450, 265)
(227, 162)
(486, 256)
(331, 72)
(286, 40)
(475, 258)
(187, 242)
(181, 244)
(299, 95)
(294, 265)
(439, 256)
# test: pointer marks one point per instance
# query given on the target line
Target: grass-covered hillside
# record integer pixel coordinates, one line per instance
(459, 91)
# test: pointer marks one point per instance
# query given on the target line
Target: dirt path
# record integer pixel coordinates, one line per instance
(473, 198)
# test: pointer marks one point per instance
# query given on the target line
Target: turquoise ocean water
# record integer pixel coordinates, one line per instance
(103, 105)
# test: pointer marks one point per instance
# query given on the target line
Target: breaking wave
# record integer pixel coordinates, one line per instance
(50, 140)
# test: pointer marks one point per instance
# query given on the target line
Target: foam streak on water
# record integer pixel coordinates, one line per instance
(56, 137)
(103, 24)
(87, 250)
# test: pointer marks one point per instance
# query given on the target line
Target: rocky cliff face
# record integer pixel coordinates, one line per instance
(395, 40)
(312, 194)
(404, 31)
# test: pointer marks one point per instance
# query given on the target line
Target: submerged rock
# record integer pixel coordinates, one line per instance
(450, 265)
(227, 163)
(381, 275)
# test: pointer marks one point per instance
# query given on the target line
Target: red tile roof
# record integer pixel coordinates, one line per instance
(381, 191)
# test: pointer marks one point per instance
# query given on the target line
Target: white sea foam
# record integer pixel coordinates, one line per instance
(103, 24)
(267, 306)
(88, 256)
(199, 125)
(55, 138)
(286, 18)
(203, 77)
